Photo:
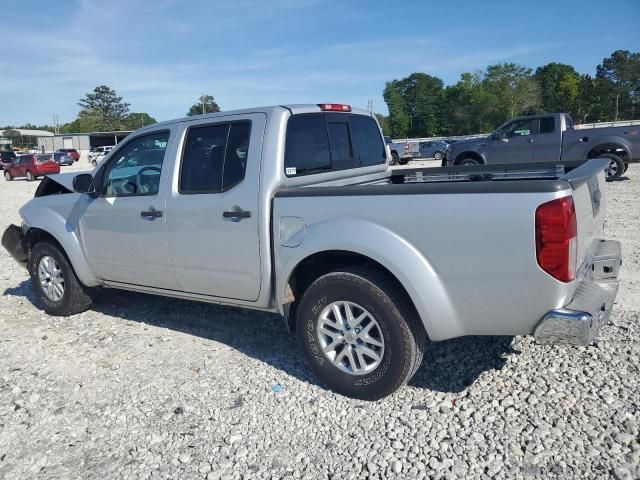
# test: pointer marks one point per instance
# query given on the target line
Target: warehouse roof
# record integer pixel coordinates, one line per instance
(23, 132)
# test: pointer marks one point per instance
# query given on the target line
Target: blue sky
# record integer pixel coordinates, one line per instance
(161, 54)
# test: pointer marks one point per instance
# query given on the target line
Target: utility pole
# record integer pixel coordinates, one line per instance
(202, 99)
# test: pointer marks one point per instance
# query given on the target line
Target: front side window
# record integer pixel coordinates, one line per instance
(136, 167)
(520, 128)
(214, 158)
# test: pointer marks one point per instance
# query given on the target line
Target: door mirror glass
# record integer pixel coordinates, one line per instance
(84, 183)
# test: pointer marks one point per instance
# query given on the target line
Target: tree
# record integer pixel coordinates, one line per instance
(558, 84)
(514, 90)
(136, 120)
(206, 104)
(467, 104)
(398, 118)
(621, 71)
(103, 109)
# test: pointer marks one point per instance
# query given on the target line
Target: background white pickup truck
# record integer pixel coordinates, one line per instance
(293, 209)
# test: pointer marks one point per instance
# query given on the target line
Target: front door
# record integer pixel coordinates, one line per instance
(513, 143)
(213, 212)
(123, 229)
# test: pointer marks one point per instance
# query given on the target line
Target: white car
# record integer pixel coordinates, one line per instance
(99, 153)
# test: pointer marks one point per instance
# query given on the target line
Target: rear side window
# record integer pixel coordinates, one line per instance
(547, 125)
(214, 157)
(329, 142)
(307, 145)
(367, 145)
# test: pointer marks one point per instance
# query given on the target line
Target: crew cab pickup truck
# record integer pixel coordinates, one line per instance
(293, 209)
(550, 138)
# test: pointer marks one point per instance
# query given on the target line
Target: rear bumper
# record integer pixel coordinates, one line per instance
(579, 322)
(14, 242)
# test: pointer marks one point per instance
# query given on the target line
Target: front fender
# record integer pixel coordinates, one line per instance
(36, 215)
(403, 260)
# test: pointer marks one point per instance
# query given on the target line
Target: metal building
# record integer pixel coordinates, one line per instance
(82, 142)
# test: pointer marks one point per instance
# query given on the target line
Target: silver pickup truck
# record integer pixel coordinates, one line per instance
(550, 138)
(293, 209)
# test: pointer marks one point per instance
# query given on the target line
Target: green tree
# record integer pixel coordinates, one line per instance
(559, 84)
(467, 104)
(206, 104)
(398, 118)
(136, 120)
(621, 72)
(102, 109)
(514, 91)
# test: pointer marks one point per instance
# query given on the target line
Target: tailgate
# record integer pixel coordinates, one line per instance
(590, 199)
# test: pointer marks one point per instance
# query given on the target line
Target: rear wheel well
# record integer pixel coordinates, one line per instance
(319, 264)
(613, 148)
(463, 155)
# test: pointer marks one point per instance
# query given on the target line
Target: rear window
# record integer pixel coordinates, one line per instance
(329, 142)
(43, 158)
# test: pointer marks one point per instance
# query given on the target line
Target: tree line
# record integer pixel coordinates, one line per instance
(421, 106)
(104, 110)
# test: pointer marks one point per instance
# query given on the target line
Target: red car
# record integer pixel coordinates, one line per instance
(31, 166)
(72, 152)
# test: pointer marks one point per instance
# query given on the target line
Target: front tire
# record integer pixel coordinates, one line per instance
(359, 333)
(469, 161)
(54, 282)
(7, 176)
(437, 156)
(394, 158)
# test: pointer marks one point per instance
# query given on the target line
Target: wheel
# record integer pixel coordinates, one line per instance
(403, 161)
(7, 176)
(437, 156)
(359, 333)
(30, 176)
(626, 166)
(54, 282)
(615, 169)
(468, 161)
(394, 158)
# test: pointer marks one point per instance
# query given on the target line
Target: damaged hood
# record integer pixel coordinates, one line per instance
(58, 183)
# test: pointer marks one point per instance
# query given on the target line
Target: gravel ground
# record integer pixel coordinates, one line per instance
(147, 387)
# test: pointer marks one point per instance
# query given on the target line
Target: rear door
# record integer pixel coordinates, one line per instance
(513, 143)
(213, 207)
(548, 140)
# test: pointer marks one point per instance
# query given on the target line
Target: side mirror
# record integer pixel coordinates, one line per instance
(84, 183)
(496, 136)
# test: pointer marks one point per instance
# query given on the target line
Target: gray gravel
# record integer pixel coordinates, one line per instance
(146, 387)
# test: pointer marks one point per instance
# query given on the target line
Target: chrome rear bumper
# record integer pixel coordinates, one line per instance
(578, 322)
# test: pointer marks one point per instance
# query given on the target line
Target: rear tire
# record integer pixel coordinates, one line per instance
(7, 176)
(437, 156)
(394, 158)
(30, 176)
(403, 161)
(391, 329)
(54, 282)
(615, 169)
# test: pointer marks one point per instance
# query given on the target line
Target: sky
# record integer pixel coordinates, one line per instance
(161, 55)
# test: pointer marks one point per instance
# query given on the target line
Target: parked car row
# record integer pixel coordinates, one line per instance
(31, 166)
(404, 152)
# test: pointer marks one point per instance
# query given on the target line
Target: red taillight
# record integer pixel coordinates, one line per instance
(556, 238)
(334, 107)
(406, 146)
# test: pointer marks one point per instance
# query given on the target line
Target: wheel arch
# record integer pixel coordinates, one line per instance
(363, 243)
(48, 224)
(612, 147)
(467, 154)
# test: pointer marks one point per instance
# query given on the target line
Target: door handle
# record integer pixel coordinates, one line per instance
(530, 140)
(151, 214)
(236, 214)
